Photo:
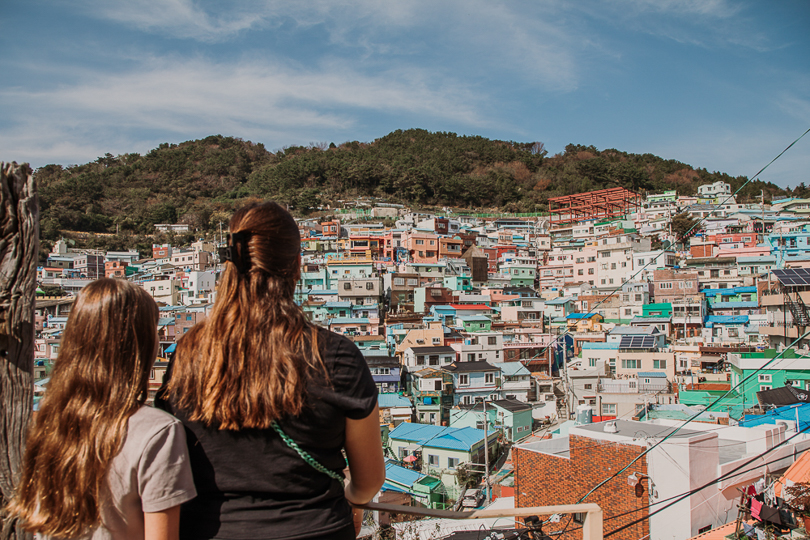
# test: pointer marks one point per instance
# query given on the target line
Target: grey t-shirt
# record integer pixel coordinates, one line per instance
(150, 474)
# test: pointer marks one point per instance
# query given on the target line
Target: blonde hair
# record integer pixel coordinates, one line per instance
(100, 379)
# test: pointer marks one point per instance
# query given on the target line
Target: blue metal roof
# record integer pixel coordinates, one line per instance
(558, 301)
(732, 305)
(349, 320)
(170, 349)
(392, 400)
(727, 319)
(431, 436)
(782, 413)
(473, 318)
(513, 368)
(401, 475)
(729, 292)
(581, 315)
(652, 374)
(344, 304)
(599, 345)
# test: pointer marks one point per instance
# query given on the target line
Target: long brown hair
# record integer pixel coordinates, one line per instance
(100, 379)
(249, 362)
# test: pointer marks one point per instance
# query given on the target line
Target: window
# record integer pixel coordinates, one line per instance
(588, 387)
(420, 242)
(580, 272)
(608, 409)
(489, 378)
(628, 312)
(369, 286)
(470, 357)
(464, 380)
(347, 286)
(590, 271)
(492, 340)
(765, 387)
(631, 364)
(765, 378)
(591, 362)
(452, 462)
(667, 285)
(437, 385)
(433, 460)
(420, 360)
(659, 364)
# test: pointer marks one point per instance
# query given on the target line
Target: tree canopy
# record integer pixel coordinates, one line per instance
(201, 182)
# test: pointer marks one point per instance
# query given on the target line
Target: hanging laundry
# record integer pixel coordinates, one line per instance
(756, 506)
(787, 519)
(748, 530)
(769, 514)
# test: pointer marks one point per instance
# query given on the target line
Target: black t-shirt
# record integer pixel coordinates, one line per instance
(251, 485)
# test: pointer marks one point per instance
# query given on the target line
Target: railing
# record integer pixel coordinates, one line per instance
(592, 526)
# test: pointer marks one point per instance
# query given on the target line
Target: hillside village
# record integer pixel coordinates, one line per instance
(523, 360)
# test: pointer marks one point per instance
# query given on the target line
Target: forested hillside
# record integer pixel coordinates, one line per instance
(201, 182)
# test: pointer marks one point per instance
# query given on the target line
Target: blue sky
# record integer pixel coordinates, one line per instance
(718, 84)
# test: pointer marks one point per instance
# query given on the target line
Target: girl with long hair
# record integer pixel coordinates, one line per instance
(270, 401)
(98, 463)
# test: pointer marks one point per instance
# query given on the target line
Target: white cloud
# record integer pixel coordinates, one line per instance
(259, 100)
(533, 41)
(179, 18)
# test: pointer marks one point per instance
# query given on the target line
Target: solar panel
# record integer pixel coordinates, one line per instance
(637, 342)
(793, 277)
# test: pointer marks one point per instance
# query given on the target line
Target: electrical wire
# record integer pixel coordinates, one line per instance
(710, 483)
(678, 428)
(665, 250)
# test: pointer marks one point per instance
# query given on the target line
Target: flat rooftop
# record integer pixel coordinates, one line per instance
(640, 430)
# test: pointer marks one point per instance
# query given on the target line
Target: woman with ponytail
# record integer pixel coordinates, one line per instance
(270, 402)
(98, 463)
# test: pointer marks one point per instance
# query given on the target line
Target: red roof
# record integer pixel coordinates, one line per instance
(470, 306)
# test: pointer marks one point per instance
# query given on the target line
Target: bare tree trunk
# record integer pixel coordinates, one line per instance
(19, 250)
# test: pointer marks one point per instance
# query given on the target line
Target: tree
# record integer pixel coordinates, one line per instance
(18, 270)
(684, 226)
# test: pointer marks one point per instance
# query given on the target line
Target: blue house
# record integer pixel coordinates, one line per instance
(427, 490)
(385, 370)
(474, 381)
(439, 450)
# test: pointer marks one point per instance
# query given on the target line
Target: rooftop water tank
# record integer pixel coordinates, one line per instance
(584, 415)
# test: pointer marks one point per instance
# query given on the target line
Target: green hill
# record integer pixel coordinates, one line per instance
(201, 182)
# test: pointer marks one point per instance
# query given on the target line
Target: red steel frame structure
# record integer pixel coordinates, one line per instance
(605, 203)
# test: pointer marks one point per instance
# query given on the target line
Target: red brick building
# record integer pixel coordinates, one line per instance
(561, 471)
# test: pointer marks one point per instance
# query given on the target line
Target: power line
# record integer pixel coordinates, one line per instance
(710, 483)
(665, 250)
(648, 450)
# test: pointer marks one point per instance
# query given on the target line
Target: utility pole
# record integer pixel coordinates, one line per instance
(487, 487)
(762, 206)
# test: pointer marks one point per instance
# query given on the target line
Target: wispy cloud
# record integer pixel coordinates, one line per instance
(258, 100)
(533, 41)
(179, 18)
